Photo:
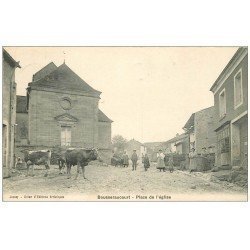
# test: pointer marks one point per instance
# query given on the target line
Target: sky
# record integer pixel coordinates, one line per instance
(149, 92)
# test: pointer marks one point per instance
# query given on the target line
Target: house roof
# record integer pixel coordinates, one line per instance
(177, 138)
(8, 58)
(190, 122)
(133, 141)
(102, 117)
(233, 60)
(153, 144)
(166, 143)
(64, 78)
(21, 104)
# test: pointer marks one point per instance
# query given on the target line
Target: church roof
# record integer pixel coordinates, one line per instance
(64, 78)
(44, 71)
(21, 104)
(102, 117)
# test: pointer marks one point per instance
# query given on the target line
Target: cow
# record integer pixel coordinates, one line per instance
(37, 157)
(61, 163)
(80, 157)
(58, 157)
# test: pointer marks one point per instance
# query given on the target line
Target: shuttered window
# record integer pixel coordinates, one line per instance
(65, 136)
(222, 103)
(238, 93)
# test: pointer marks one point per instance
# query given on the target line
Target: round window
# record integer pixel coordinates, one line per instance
(66, 103)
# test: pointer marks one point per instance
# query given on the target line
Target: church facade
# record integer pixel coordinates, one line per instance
(61, 109)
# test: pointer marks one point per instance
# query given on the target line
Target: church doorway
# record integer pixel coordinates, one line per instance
(65, 135)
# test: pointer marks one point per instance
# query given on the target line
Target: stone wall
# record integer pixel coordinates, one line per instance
(44, 106)
(22, 129)
(204, 130)
(239, 140)
(8, 116)
(104, 135)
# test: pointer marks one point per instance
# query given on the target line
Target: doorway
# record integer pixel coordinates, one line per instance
(65, 135)
(4, 145)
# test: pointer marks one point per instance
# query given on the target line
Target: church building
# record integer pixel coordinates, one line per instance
(61, 109)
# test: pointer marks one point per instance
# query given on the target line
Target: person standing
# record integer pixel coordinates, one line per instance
(185, 163)
(125, 160)
(146, 162)
(171, 163)
(142, 158)
(134, 159)
(160, 161)
(192, 164)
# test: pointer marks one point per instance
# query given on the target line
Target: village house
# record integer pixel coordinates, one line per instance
(61, 109)
(9, 112)
(178, 144)
(200, 131)
(152, 149)
(135, 145)
(231, 100)
(21, 132)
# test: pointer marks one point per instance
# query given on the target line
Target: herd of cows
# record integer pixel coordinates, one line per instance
(79, 157)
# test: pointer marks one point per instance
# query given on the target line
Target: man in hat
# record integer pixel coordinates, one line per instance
(134, 159)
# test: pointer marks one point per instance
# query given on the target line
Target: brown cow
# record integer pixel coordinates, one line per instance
(80, 157)
(37, 157)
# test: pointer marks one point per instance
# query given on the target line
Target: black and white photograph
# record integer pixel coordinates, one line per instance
(124, 125)
(157, 123)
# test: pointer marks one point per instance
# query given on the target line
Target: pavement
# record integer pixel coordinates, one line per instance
(109, 183)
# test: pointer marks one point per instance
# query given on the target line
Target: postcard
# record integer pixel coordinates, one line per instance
(157, 124)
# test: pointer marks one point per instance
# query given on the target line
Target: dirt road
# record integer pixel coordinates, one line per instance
(115, 183)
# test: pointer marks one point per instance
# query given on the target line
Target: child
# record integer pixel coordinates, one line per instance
(146, 162)
(125, 160)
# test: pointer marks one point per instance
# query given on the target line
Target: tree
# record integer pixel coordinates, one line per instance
(119, 142)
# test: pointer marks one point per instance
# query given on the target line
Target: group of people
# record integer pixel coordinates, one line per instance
(134, 159)
(161, 163)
